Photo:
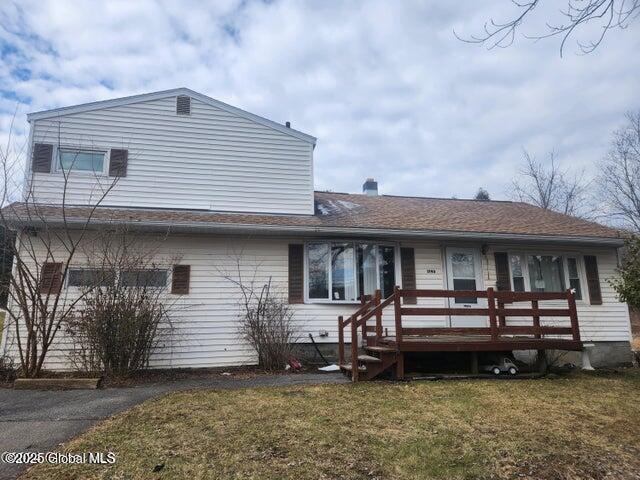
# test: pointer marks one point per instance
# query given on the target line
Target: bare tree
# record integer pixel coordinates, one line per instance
(48, 237)
(608, 14)
(619, 178)
(550, 187)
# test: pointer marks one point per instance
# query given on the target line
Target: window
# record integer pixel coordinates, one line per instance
(574, 277)
(144, 278)
(81, 160)
(463, 273)
(516, 273)
(545, 273)
(318, 256)
(90, 277)
(343, 271)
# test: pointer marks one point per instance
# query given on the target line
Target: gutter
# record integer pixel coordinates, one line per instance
(322, 231)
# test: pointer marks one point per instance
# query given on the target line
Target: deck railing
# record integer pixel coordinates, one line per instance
(496, 311)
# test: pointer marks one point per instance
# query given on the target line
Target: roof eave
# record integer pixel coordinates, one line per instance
(320, 231)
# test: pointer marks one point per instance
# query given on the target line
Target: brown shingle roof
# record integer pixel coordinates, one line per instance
(350, 211)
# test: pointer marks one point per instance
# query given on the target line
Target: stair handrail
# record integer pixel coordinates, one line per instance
(369, 308)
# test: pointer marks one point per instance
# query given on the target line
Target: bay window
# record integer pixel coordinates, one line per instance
(343, 271)
(544, 273)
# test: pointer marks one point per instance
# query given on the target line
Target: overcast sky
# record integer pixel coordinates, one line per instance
(385, 86)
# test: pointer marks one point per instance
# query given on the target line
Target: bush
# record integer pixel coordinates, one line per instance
(266, 323)
(627, 285)
(117, 329)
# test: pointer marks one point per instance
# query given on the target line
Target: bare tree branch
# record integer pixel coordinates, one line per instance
(612, 14)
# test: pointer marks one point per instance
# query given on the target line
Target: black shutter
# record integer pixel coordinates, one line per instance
(593, 279)
(180, 279)
(296, 273)
(503, 280)
(42, 155)
(408, 269)
(50, 278)
(118, 163)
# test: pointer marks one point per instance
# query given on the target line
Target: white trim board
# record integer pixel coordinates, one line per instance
(145, 97)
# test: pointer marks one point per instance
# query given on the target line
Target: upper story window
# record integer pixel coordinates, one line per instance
(545, 273)
(343, 271)
(81, 160)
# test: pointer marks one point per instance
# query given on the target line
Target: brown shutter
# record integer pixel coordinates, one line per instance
(118, 163)
(42, 155)
(593, 279)
(296, 273)
(50, 278)
(503, 280)
(408, 269)
(180, 279)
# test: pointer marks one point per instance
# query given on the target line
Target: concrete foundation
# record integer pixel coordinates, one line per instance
(602, 354)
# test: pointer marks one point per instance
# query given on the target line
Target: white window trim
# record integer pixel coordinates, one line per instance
(118, 273)
(329, 301)
(76, 287)
(105, 161)
(564, 254)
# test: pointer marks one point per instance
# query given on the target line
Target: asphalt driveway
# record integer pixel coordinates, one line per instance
(38, 421)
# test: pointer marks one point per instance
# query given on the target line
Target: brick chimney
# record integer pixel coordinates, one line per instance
(370, 187)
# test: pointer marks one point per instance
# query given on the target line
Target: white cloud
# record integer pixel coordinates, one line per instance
(386, 87)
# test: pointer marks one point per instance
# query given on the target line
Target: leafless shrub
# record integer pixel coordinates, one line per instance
(266, 319)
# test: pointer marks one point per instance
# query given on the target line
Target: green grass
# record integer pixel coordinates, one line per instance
(585, 426)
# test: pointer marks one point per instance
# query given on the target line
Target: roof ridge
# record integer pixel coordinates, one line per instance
(418, 197)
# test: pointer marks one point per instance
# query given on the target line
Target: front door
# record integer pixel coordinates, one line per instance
(464, 272)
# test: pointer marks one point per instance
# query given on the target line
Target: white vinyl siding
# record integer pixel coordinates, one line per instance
(207, 318)
(209, 160)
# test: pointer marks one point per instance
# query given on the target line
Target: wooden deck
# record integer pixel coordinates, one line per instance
(386, 351)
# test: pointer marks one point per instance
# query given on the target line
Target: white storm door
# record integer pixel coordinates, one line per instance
(464, 272)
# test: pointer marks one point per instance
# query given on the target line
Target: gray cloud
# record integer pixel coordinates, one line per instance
(386, 87)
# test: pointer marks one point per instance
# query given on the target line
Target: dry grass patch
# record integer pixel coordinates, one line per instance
(577, 427)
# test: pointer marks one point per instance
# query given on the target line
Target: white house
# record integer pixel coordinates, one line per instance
(227, 184)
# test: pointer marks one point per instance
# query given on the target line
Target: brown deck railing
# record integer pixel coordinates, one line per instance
(495, 310)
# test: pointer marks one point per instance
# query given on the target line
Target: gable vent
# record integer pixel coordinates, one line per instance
(183, 105)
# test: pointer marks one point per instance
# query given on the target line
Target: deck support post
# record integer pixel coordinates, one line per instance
(400, 366)
(474, 363)
(541, 361)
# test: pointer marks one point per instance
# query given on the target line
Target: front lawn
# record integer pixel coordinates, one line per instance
(577, 427)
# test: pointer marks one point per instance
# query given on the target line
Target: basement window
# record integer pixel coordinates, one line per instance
(344, 271)
(183, 105)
